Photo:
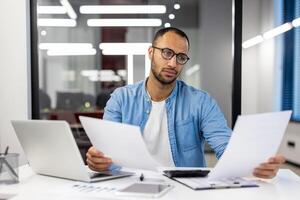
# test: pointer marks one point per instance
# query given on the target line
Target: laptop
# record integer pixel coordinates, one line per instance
(51, 150)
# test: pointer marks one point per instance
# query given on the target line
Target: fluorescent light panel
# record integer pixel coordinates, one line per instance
(51, 10)
(57, 22)
(100, 75)
(296, 22)
(124, 9)
(124, 48)
(90, 73)
(277, 31)
(62, 46)
(253, 41)
(121, 72)
(272, 33)
(124, 22)
(66, 4)
(104, 78)
(103, 72)
(71, 52)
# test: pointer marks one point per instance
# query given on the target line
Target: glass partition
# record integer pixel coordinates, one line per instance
(86, 49)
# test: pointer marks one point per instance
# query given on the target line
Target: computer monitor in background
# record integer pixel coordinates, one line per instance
(69, 100)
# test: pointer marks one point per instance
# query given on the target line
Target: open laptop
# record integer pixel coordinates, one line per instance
(51, 150)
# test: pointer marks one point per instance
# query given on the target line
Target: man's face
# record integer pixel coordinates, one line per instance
(167, 71)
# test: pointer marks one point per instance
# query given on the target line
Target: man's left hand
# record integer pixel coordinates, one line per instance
(269, 169)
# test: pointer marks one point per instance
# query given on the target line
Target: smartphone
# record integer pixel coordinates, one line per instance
(186, 173)
(141, 189)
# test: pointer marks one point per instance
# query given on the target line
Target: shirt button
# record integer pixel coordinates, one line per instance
(147, 112)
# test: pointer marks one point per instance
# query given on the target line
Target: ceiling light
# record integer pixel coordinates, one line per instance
(57, 22)
(69, 9)
(124, 9)
(124, 48)
(167, 25)
(105, 78)
(71, 52)
(62, 46)
(103, 72)
(171, 16)
(121, 72)
(296, 22)
(89, 72)
(100, 75)
(51, 10)
(278, 30)
(43, 32)
(253, 41)
(124, 22)
(176, 6)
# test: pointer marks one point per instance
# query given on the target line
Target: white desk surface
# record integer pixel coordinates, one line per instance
(36, 187)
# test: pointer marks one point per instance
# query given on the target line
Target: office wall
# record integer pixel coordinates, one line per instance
(14, 70)
(215, 52)
(258, 67)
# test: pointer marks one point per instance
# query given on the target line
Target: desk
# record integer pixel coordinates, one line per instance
(285, 186)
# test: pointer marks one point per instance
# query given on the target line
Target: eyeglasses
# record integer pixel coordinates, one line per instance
(168, 54)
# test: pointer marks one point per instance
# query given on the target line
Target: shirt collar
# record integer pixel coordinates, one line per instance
(170, 97)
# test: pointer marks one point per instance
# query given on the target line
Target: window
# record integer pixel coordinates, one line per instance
(291, 61)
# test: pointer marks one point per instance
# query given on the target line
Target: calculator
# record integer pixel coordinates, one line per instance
(186, 173)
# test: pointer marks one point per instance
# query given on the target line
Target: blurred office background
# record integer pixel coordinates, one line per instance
(81, 60)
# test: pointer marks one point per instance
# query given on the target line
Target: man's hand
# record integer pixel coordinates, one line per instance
(96, 160)
(270, 168)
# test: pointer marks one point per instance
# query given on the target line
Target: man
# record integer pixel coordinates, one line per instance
(175, 118)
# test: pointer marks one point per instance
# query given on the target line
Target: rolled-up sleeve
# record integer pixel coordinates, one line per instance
(214, 126)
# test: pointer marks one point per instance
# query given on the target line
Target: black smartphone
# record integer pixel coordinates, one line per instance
(186, 173)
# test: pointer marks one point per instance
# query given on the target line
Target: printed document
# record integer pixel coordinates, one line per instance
(254, 140)
(121, 142)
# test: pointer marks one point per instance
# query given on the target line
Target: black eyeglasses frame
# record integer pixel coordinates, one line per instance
(174, 54)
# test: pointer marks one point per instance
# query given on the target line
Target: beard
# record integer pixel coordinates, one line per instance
(159, 77)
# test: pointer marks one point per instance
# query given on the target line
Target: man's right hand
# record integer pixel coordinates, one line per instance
(96, 160)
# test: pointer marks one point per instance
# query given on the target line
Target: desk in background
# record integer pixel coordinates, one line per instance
(36, 187)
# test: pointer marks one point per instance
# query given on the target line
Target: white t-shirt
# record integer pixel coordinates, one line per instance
(156, 134)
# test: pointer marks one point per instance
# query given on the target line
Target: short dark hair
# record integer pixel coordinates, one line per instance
(163, 31)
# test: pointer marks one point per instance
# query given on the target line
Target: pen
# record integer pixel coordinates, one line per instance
(6, 150)
(142, 177)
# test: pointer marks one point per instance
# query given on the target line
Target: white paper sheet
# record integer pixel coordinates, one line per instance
(121, 142)
(254, 140)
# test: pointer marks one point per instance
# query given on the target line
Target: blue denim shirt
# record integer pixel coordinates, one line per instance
(192, 115)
